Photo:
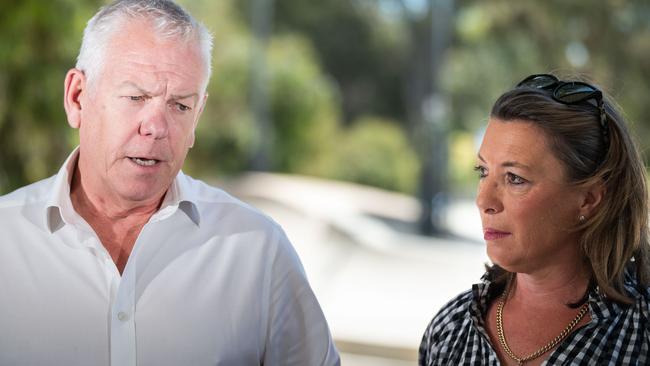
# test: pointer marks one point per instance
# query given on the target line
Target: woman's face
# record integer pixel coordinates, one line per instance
(527, 207)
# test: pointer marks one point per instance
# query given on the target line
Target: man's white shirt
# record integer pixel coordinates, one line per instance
(210, 281)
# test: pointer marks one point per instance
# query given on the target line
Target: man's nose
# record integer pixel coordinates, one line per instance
(155, 121)
(488, 197)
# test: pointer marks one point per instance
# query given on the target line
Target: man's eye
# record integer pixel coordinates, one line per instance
(515, 179)
(182, 107)
(136, 98)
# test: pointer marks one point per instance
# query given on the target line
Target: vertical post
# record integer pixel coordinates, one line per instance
(261, 19)
(427, 111)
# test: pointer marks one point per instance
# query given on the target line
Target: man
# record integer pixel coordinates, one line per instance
(120, 259)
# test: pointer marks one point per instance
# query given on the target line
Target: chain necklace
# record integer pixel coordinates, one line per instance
(550, 345)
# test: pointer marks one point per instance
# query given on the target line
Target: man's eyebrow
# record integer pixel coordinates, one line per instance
(185, 96)
(509, 163)
(133, 85)
(143, 91)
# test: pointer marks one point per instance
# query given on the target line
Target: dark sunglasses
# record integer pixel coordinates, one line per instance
(569, 92)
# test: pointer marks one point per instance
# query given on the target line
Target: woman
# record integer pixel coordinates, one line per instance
(564, 207)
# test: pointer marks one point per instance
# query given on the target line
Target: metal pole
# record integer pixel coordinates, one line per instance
(261, 19)
(433, 182)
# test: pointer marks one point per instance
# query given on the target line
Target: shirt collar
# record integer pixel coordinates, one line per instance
(59, 210)
(181, 195)
(602, 308)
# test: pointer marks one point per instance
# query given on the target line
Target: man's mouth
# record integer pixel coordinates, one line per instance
(144, 161)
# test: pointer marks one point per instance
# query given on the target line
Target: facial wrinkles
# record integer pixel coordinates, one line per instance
(538, 197)
(185, 62)
(159, 89)
(167, 85)
(147, 146)
(157, 82)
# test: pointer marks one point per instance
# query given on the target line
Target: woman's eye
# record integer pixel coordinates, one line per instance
(136, 98)
(515, 179)
(482, 172)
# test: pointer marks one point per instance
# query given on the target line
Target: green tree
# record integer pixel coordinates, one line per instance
(499, 42)
(38, 42)
(375, 151)
(364, 51)
(304, 109)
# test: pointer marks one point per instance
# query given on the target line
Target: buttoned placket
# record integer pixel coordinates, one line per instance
(123, 297)
(122, 313)
(121, 288)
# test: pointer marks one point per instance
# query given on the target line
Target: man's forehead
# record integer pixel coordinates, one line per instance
(154, 89)
(139, 38)
(137, 57)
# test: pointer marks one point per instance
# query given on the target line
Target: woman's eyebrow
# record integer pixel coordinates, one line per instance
(509, 163)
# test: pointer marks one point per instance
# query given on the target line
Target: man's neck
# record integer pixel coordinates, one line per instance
(116, 224)
(94, 205)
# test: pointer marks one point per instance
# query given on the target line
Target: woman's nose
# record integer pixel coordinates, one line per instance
(488, 198)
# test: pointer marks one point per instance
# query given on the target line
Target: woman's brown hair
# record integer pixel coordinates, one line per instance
(617, 233)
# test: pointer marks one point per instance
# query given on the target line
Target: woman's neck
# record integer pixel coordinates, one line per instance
(561, 285)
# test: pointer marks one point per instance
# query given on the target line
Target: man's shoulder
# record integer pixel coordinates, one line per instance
(24, 206)
(214, 200)
(34, 193)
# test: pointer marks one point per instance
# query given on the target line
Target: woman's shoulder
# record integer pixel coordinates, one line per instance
(636, 289)
(451, 317)
(453, 337)
(641, 297)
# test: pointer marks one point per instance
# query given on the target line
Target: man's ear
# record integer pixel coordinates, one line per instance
(74, 85)
(592, 197)
(202, 104)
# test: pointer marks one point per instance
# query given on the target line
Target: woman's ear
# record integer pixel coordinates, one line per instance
(592, 197)
(74, 86)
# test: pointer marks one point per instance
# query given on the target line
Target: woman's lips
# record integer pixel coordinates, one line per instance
(492, 234)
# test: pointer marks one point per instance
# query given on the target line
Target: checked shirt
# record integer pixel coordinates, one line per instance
(616, 334)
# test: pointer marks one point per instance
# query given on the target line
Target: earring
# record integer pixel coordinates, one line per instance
(582, 218)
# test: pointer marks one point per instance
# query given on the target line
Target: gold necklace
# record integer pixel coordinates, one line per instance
(554, 342)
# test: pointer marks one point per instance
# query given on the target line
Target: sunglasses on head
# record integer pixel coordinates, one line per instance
(569, 92)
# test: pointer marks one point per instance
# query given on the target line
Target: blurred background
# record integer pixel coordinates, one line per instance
(353, 123)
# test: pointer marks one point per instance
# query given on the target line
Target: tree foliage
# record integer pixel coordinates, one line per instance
(303, 105)
(38, 42)
(499, 42)
(330, 65)
(375, 152)
(493, 45)
(363, 50)
(306, 111)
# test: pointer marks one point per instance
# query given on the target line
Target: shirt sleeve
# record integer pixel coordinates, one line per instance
(297, 332)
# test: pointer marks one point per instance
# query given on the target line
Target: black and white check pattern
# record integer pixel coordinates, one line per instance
(616, 334)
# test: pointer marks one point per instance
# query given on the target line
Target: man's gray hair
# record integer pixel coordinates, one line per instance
(168, 19)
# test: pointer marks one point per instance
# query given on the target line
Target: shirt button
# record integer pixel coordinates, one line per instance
(123, 316)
